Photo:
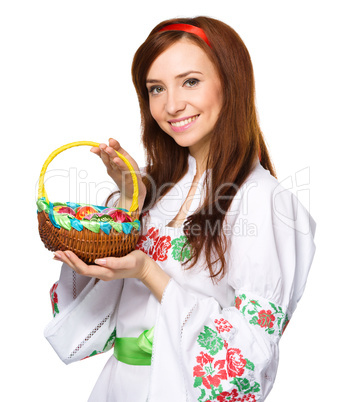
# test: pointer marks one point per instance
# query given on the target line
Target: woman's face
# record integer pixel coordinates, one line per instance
(185, 94)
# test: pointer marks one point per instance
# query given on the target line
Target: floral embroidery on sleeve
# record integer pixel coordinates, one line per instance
(108, 345)
(265, 314)
(154, 245)
(54, 299)
(110, 342)
(223, 325)
(212, 374)
(181, 248)
(94, 353)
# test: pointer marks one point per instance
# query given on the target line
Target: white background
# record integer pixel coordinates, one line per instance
(65, 76)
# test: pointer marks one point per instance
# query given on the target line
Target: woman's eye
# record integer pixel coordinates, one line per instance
(191, 82)
(155, 90)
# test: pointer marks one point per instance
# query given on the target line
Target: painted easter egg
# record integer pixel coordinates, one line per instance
(83, 211)
(120, 216)
(64, 210)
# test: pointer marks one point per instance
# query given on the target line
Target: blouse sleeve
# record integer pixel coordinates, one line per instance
(84, 316)
(230, 353)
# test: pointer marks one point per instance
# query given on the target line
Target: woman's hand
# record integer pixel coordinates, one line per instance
(119, 172)
(134, 265)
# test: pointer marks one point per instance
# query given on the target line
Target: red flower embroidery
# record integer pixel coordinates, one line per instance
(238, 302)
(222, 325)
(146, 243)
(235, 362)
(285, 325)
(54, 297)
(202, 359)
(211, 373)
(162, 246)
(266, 319)
(227, 396)
(246, 398)
(154, 245)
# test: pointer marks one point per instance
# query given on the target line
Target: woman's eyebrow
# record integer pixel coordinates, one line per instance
(182, 75)
(153, 81)
(187, 73)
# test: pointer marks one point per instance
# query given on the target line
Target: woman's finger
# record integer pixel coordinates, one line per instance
(116, 145)
(65, 256)
(92, 271)
(115, 159)
(96, 151)
(106, 159)
(125, 263)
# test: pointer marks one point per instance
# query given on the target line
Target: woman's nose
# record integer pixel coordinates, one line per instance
(174, 103)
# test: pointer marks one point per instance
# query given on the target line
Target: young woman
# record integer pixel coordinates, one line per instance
(196, 312)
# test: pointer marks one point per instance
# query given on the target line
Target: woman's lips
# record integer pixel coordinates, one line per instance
(182, 124)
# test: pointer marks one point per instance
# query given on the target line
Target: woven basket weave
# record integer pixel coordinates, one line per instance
(86, 244)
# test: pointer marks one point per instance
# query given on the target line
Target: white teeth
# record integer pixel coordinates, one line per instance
(183, 122)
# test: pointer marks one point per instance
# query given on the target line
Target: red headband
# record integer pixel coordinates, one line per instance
(187, 28)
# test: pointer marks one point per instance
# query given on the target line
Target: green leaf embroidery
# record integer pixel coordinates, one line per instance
(110, 340)
(94, 353)
(273, 306)
(244, 384)
(202, 396)
(249, 365)
(251, 312)
(181, 249)
(255, 303)
(213, 392)
(210, 340)
(197, 382)
(254, 320)
(255, 387)
(236, 382)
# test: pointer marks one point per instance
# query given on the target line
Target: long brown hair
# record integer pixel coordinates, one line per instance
(235, 143)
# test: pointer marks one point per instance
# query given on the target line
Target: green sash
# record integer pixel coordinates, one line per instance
(135, 351)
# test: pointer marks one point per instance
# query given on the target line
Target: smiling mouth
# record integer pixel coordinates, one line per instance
(184, 122)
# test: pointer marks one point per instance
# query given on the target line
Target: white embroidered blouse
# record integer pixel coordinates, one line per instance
(212, 342)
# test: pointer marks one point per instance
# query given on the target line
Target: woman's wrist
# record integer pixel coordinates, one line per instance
(124, 202)
(154, 278)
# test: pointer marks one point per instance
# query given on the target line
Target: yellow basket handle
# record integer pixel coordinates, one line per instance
(42, 191)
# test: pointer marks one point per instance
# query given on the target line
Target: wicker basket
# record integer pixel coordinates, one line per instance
(100, 237)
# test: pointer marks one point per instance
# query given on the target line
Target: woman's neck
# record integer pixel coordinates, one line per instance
(200, 156)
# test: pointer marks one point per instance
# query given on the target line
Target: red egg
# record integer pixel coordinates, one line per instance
(82, 211)
(120, 216)
(64, 210)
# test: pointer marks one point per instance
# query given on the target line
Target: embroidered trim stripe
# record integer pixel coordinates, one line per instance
(89, 336)
(74, 281)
